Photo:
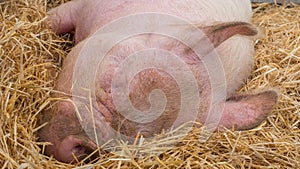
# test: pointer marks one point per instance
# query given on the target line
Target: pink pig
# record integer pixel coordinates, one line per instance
(225, 23)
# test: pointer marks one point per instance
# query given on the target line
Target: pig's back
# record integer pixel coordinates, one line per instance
(236, 53)
(194, 11)
(207, 11)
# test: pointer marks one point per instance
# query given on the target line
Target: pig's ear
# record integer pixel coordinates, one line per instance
(62, 18)
(74, 146)
(248, 111)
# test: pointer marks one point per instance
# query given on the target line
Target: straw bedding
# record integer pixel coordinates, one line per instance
(31, 57)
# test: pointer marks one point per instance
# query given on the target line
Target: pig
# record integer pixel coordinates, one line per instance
(225, 23)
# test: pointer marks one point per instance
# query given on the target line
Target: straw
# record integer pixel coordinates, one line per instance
(31, 58)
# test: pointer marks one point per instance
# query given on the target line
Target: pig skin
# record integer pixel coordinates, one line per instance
(85, 17)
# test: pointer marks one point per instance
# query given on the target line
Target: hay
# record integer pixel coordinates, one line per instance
(31, 56)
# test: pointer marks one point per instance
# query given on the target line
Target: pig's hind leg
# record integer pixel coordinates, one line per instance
(62, 18)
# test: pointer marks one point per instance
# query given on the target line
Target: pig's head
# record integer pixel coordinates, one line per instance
(64, 132)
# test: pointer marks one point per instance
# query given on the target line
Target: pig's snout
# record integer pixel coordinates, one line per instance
(74, 147)
(69, 142)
